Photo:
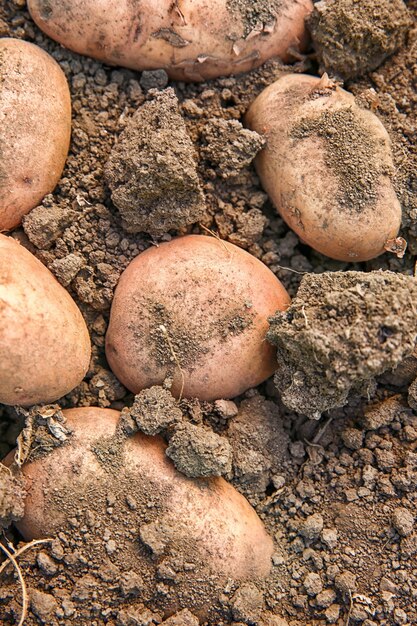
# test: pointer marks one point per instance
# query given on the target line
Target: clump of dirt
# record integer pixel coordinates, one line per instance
(45, 223)
(197, 451)
(228, 147)
(256, 14)
(152, 171)
(12, 497)
(154, 411)
(340, 331)
(260, 447)
(359, 170)
(352, 37)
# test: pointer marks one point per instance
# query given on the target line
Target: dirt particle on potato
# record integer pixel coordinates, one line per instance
(255, 14)
(358, 171)
(330, 340)
(152, 171)
(352, 37)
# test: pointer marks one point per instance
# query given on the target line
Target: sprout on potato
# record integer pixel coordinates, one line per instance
(327, 167)
(35, 128)
(195, 309)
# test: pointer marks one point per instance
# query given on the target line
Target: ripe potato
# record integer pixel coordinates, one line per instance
(44, 342)
(35, 128)
(190, 39)
(202, 521)
(327, 167)
(197, 309)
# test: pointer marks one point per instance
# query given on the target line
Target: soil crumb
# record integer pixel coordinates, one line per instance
(256, 14)
(152, 171)
(260, 447)
(352, 153)
(153, 411)
(197, 451)
(341, 330)
(228, 147)
(352, 37)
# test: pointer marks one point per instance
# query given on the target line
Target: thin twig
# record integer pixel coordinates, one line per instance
(289, 269)
(216, 236)
(174, 356)
(27, 546)
(12, 560)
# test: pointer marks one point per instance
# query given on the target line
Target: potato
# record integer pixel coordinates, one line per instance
(35, 128)
(205, 522)
(327, 167)
(44, 342)
(190, 39)
(197, 309)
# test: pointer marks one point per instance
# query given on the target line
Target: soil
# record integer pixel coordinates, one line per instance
(337, 495)
(152, 171)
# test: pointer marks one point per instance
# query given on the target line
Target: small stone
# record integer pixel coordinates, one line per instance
(183, 618)
(226, 408)
(325, 598)
(247, 603)
(387, 585)
(111, 547)
(68, 607)
(329, 537)
(403, 521)
(332, 613)
(313, 584)
(297, 449)
(345, 582)
(66, 269)
(153, 79)
(352, 438)
(351, 495)
(43, 605)
(400, 616)
(312, 526)
(46, 564)
(131, 584)
(385, 459)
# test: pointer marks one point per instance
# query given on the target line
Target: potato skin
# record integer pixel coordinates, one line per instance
(192, 40)
(213, 518)
(44, 342)
(301, 182)
(35, 128)
(213, 300)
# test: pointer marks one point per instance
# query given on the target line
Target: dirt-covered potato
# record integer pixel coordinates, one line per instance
(327, 167)
(202, 528)
(190, 39)
(35, 128)
(44, 342)
(196, 309)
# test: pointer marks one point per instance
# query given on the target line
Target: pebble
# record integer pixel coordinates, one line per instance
(313, 584)
(47, 564)
(312, 526)
(403, 521)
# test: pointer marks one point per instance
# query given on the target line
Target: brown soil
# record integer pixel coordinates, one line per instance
(338, 495)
